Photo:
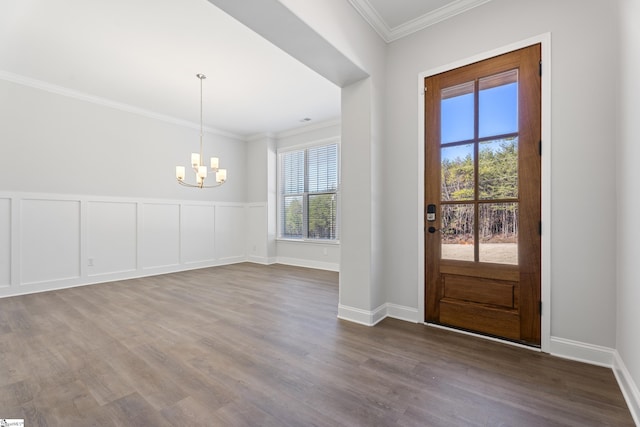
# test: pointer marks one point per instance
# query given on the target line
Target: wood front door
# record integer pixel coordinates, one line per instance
(482, 197)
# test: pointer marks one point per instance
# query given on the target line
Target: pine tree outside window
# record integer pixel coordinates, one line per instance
(308, 193)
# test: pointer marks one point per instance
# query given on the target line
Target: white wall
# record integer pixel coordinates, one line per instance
(261, 194)
(308, 135)
(628, 233)
(62, 144)
(362, 290)
(582, 154)
(324, 255)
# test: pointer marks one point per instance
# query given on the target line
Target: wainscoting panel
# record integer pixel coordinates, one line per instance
(49, 240)
(52, 241)
(257, 232)
(5, 242)
(111, 237)
(160, 235)
(230, 232)
(197, 233)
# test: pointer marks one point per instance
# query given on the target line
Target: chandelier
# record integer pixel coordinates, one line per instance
(197, 160)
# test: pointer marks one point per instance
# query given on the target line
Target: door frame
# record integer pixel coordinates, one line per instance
(545, 41)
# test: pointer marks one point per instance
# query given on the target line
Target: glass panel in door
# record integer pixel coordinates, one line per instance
(479, 166)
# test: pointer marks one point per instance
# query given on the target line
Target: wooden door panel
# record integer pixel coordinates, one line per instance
(483, 291)
(479, 317)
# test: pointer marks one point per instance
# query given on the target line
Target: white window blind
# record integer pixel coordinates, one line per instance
(308, 196)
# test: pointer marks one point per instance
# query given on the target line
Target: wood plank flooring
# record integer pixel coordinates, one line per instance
(251, 345)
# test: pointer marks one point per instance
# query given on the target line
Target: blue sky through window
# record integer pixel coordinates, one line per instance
(498, 115)
(456, 116)
(498, 110)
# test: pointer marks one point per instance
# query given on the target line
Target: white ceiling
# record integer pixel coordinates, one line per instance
(145, 54)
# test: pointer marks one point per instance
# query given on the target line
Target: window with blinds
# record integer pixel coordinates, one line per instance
(308, 196)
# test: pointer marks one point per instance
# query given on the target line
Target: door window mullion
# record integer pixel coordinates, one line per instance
(476, 172)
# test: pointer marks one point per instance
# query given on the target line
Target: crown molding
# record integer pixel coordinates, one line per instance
(60, 90)
(373, 18)
(388, 34)
(308, 128)
(295, 131)
(260, 136)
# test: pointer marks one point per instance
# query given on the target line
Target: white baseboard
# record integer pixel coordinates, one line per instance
(401, 312)
(355, 315)
(230, 260)
(261, 260)
(371, 318)
(628, 386)
(55, 285)
(379, 314)
(582, 352)
(297, 262)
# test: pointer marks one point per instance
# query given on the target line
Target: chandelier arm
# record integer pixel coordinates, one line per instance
(186, 184)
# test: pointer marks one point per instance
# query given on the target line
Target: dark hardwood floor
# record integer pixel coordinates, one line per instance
(251, 345)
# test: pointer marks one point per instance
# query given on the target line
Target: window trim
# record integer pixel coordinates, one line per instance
(305, 195)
